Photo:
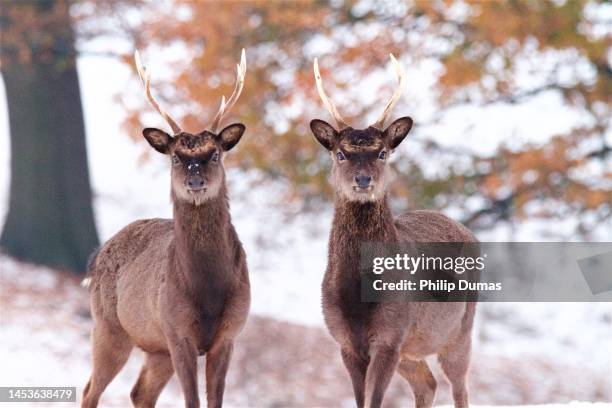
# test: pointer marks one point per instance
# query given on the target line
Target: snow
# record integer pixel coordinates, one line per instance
(534, 353)
(573, 404)
(44, 343)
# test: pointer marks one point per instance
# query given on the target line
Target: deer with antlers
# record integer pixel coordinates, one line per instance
(378, 339)
(178, 288)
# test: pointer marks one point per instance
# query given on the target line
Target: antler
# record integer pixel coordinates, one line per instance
(401, 77)
(224, 108)
(146, 82)
(326, 101)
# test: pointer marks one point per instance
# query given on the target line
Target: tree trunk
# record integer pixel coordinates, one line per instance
(50, 219)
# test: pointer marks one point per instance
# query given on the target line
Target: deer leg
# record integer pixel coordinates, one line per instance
(154, 375)
(357, 370)
(184, 357)
(382, 366)
(455, 361)
(111, 349)
(421, 380)
(217, 363)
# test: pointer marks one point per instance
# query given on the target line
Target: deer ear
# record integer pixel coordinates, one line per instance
(324, 132)
(397, 131)
(158, 139)
(230, 135)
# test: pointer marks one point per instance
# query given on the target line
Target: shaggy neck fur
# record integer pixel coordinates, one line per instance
(205, 244)
(356, 223)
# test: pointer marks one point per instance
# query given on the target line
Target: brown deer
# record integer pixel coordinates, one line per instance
(178, 288)
(376, 339)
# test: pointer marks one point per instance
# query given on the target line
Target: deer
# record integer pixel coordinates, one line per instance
(377, 339)
(176, 288)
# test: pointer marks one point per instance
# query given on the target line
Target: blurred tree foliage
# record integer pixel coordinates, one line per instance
(480, 46)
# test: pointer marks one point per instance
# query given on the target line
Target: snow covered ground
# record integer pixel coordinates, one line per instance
(523, 353)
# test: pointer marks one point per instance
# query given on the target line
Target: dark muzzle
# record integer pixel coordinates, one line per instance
(363, 181)
(195, 180)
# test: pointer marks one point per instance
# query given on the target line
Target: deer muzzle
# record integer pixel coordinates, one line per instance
(363, 182)
(195, 181)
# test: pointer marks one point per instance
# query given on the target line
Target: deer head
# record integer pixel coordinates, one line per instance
(360, 169)
(197, 172)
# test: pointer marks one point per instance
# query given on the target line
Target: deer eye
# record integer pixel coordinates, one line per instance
(215, 157)
(382, 155)
(340, 156)
(175, 160)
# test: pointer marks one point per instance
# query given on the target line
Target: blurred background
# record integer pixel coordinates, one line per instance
(512, 103)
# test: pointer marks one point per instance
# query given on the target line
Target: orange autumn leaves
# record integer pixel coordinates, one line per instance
(281, 39)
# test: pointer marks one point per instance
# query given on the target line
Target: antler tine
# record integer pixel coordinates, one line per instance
(401, 77)
(146, 82)
(326, 101)
(225, 107)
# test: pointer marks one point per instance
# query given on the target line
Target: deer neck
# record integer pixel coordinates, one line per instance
(356, 223)
(203, 234)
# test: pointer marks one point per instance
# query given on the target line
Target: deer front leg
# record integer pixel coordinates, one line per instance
(357, 370)
(217, 363)
(382, 366)
(184, 357)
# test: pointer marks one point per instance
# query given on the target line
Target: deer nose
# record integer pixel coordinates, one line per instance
(195, 182)
(363, 181)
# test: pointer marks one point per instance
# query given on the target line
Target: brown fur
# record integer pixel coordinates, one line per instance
(377, 339)
(177, 289)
